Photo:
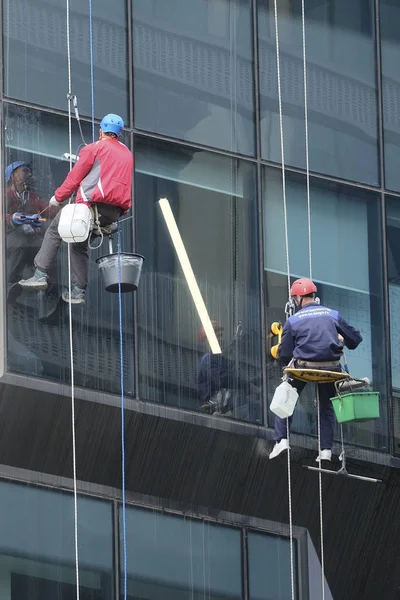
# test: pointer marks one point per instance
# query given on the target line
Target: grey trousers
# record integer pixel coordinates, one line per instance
(46, 257)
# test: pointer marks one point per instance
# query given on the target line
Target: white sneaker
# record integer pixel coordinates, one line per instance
(279, 447)
(325, 455)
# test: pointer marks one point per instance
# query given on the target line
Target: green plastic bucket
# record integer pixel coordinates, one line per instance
(362, 406)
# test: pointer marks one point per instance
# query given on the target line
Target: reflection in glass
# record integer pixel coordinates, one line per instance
(346, 252)
(37, 551)
(341, 86)
(269, 567)
(37, 322)
(176, 558)
(35, 54)
(193, 77)
(390, 48)
(213, 201)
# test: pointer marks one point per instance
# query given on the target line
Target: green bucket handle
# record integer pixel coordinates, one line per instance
(338, 384)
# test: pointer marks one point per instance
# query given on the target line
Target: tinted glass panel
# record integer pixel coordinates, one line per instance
(390, 37)
(393, 248)
(213, 203)
(346, 252)
(37, 550)
(341, 88)
(38, 342)
(193, 71)
(35, 54)
(269, 567)
(174, 558)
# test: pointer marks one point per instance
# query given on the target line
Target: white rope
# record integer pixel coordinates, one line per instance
(71, 344)
(321, 520)
(303, 26)
(278, 70)
(321, 514)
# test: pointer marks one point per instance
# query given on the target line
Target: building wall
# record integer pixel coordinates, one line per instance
(196, 83)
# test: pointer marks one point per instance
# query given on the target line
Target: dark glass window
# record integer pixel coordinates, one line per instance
(193, 76)
(269, 567)
(176, 558)
(341, 90)
(37, 322)
(347, 269)
(37, 549)
(35, 54)
(390, 40)
(393, 248)
(213, 203)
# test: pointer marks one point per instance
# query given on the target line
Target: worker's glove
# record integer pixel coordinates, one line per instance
(54, 202)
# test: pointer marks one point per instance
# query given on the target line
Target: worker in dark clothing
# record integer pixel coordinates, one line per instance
(102, 177)
(23, 240)
(214, 377)
(313, 338)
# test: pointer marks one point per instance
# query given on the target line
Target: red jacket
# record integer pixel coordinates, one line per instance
(103, 173)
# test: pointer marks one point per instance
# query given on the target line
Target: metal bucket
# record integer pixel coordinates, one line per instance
(129, 274)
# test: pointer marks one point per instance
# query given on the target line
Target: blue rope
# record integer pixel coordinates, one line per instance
(121, 354)
(91, 63)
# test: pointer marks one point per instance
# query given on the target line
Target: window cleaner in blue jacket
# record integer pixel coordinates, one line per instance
(313, 337)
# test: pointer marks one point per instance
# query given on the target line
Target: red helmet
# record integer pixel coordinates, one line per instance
(217, 328)
(302, 287)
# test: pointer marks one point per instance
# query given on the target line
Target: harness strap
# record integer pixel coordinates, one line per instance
(313, 365)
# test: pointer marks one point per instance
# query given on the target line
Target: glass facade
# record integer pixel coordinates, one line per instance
(341, 86)
(269, 567)
(169, 556)
(172, 558)
(37, 552)
(37, 323)
(193, 71)
(197, 87)
(347, 274)
(214, 202)
(36, 29)
(389, 18)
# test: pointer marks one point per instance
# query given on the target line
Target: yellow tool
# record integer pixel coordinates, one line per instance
(276, 330)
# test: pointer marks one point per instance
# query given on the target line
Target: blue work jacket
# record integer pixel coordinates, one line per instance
(312, 334)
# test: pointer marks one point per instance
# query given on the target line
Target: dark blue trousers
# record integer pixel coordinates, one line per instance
(327, 414)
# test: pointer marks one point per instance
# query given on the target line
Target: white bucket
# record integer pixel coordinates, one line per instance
(284, 401)
(76, 222)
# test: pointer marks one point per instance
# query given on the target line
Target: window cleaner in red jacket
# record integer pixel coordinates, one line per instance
(101, 176)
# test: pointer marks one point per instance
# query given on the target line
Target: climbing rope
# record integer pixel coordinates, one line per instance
(278, 71)
(122, 375)
(91, 64)
(321, 515)
(303, 29)
(71, 342)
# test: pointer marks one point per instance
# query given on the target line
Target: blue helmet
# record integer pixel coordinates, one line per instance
(11, 168)
(112, 123)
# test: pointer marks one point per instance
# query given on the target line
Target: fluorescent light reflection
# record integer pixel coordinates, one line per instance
(189, 275)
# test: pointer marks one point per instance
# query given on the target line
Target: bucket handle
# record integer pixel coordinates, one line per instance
(339, 384)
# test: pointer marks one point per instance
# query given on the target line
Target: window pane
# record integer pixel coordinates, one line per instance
(35, 54)
(37, 548)
(174, 558)
(269, 567)
(393, 248)
(341, 90)
(193, 76)
(213, 201)
(346, 253)
(390, 39)
(38, 338)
